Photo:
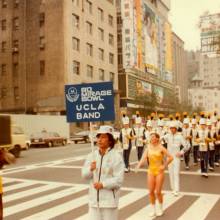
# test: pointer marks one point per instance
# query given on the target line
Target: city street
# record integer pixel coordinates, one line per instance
(45, 183)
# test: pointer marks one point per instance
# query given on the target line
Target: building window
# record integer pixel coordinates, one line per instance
(15, 46)
(3, 69)
(4, 92)
(110, 20)
(42, 67)
(111, 58)
(89, 27)
(42, 42)
(76, 67)
(89, 6)
(101, 34)
(3, 46)
(16, 3)
(41, 19)
(120, 60)
(16, 23)
(76, 44)
(101, 54)
(111, 76)
(101, 74)
(4, 3)
(16, 92)
(3, 24)
(89, 49)
(15, 69)
(89, 71)
(100, 14)
(75, 2)
(111, 39)
(76, 21)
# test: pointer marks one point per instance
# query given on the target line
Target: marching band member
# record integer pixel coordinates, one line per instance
(125, 138)
(211, 135)
(217, 147)
(195, 145)
(179, 123)
(174, 142)
(203, 147)
(186, 132)
(148, 131)
(139, 132)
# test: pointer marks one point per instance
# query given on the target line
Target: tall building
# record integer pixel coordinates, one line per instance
(180, 69)
(46, 44)
(205, 91)
(144, 53)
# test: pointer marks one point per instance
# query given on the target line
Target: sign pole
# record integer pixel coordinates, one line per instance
(91, 138)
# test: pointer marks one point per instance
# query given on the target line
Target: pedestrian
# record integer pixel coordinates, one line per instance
(177, 146)
(155, 155)
(104, 169)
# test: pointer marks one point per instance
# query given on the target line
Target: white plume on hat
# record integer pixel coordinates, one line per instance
(160, 123)
(149, 123)
(208, 122)
(125, 120)
(194, 122)
(202, 121)
(173, 124)
(138, 120)
(186, 121)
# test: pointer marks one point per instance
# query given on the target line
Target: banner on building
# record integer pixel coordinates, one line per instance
(90, 102)
(143, 88)
(159, 91)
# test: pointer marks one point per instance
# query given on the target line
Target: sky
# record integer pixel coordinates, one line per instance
(184, 17)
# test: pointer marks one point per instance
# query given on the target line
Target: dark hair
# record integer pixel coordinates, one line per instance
(111, 140)
(156, 135)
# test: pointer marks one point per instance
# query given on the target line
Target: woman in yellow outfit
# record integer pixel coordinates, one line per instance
(158, 159)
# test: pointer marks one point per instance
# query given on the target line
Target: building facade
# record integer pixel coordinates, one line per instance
(46, 44)
(205, 86)
(144, 53)
(180, 77)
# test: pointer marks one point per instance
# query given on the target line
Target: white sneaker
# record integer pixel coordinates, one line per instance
(176, 193)
(160, 210)
(153, 212)
(217, 164)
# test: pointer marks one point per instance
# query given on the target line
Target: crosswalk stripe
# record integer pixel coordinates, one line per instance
(200, 208)
(58, 210)
(169, 199)
(123, 202)
(17, 186)
(7, 180)
(29, 192)
(39, 201)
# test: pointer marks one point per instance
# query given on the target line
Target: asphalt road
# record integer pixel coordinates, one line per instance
(45, 183)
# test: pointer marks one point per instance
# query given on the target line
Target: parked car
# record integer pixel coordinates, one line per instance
(82, 136)
(48, 139)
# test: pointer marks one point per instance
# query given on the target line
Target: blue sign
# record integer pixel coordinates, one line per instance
(90, 102)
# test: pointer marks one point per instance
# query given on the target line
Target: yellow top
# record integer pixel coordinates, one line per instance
(155, 159)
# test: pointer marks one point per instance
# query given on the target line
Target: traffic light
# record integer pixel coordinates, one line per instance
(5, 130)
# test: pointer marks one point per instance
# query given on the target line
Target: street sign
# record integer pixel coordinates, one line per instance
(90, 102)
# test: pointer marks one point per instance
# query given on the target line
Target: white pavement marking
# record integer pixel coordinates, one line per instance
(29, 192)
(169, 199)
(59, 210)
(39, 201)
(200, 208)
(7, 180)
(40, 165)
(17, 186)
(124, 201)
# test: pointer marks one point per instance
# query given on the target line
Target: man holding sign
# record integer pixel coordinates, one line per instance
(104, 166)
(105, 171)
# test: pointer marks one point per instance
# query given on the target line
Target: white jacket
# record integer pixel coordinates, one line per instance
(110, 172)
(175, 142)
